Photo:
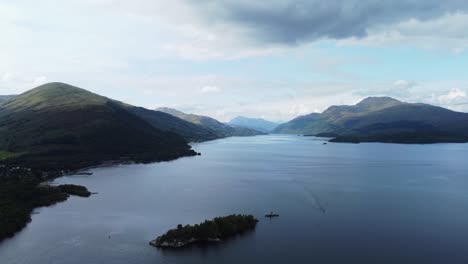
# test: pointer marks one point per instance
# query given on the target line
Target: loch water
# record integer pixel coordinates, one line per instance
(338, 203)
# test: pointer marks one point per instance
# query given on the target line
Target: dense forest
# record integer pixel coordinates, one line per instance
(218, 228)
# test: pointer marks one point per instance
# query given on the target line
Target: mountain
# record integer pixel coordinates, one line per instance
(258, 124)
(216, 127)
(57, 125)
(383, 119)
(5, 98)
(189, 131)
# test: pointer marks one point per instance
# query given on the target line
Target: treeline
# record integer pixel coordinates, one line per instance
(218, 228)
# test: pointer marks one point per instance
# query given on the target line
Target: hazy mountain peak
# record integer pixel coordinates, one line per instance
(259, 124)
(169, 110)
(378, 102)
(243, 118)
(220, 129)
(369, 104)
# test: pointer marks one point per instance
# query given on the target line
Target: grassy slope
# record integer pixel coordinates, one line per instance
(59, 125)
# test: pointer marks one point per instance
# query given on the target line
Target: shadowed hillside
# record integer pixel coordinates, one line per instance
(61, 126)
(167, 122)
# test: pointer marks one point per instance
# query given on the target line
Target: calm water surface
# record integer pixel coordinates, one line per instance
(339, 203)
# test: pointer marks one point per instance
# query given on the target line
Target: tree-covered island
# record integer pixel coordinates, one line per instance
(214, 230)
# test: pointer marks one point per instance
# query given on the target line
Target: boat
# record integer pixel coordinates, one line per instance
(271, 215)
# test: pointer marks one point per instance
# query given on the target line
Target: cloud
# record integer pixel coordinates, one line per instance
(39, 80)
(446, 32)
(6, 77)
(454, 96)
(296, 21)
(299, 109)
(210, 89)
(282, 55)
(12, 83)
(404, 84)
(400, 89)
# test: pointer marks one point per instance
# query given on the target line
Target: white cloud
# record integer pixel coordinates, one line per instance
(447, 33)
(210, 89)
(134, 50)
(6, 77)
(404, 84)
(298, 109)
(39, 80)
(454, 96)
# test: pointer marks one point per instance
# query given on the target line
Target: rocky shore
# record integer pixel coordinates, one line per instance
(180, 243)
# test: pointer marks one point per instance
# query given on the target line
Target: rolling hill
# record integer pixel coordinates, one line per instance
(383, 119)
(213, 125)
(58, 126)
(258, 124)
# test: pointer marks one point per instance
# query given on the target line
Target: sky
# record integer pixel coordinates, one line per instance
(273, 59)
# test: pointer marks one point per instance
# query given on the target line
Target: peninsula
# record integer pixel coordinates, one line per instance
(20, 196)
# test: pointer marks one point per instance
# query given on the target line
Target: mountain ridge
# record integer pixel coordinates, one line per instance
(218, 128)
(258, 124)
(383, 119)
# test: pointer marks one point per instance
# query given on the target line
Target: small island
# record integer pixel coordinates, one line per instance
(214, 230)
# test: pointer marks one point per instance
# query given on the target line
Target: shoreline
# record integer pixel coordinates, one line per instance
(16, 177)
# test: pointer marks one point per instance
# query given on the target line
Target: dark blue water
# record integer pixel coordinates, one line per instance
(339, 203)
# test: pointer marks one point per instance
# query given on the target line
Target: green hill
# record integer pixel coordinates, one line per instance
(61, 126)
(383, 119)
(219, 129)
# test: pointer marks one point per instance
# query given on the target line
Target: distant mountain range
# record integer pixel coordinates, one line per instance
(60, 126)
(217, 128)
(383, 119)
(258, 124)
